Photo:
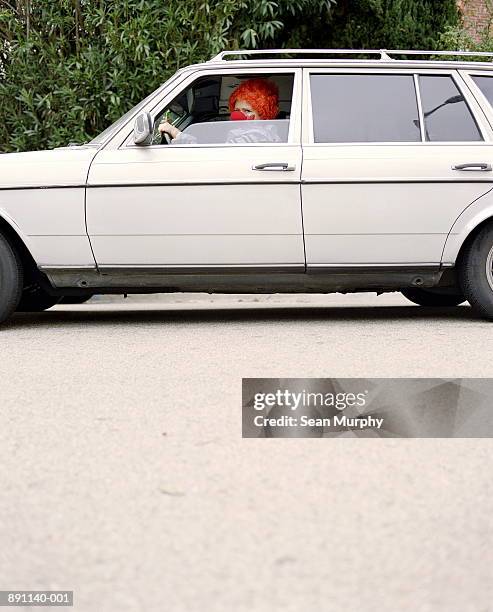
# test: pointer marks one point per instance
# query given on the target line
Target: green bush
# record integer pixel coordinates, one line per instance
(376, 24)
(71, 67)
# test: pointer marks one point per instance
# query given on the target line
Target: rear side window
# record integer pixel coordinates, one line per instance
(447, 116)
(485, 84)
(364, 108)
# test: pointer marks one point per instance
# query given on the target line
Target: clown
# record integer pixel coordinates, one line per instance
(254, 99)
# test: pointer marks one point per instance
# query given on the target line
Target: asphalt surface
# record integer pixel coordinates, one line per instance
(125, 478)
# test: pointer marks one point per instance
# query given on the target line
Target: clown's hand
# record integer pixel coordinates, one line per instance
(166, 128)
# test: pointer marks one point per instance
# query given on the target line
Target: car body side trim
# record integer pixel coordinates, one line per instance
(322, 181)
(327, 181)
(47, 268)
(278, 182)
(203, 269)
(236, 269)
(12, 187)
(443, 264)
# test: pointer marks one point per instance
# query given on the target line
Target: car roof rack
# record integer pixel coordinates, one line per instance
(385, 54)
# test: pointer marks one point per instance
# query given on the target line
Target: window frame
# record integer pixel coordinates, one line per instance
(482, 101)
(124, 139)
(484, 127)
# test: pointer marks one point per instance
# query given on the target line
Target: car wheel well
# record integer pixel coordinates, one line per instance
(28, 264)
(470, 237)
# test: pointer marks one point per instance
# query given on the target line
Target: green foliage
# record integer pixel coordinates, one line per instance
(375, 24)
(458, 38)
(69, 68)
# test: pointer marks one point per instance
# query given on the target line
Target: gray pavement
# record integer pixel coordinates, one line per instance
(125, 477)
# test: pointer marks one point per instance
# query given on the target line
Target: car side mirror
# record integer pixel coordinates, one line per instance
(143, 129)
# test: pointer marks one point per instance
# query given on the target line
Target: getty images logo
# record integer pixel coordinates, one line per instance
(297, 399)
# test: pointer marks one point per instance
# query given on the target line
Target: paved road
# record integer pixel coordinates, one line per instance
(125, 478)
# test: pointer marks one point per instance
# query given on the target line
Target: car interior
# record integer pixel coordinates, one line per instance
(206, 100)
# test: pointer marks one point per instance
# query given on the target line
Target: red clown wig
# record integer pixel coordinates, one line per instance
(261, 94)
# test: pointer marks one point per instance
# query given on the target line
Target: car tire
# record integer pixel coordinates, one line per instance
(11, 279)
(423, 297)
(36, 299)
(476, 272)
(75, 299)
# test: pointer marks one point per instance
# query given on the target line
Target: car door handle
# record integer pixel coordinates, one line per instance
(282, 166)
(484, 167)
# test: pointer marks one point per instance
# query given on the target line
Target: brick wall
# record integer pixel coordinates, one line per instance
(476, 15)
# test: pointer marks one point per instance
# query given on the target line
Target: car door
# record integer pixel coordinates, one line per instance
(390, 159)
(199, 206)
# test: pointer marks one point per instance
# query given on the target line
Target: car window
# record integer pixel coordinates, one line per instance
(104, 135)
(201, 113)
(447, 116)
(485, 84)
(364, 108)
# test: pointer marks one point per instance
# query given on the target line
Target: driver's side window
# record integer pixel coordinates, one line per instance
(233, 109)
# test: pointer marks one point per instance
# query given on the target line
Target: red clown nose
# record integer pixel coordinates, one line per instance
(237, 115)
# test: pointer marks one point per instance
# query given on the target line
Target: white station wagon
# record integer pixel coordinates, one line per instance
(378, 178)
